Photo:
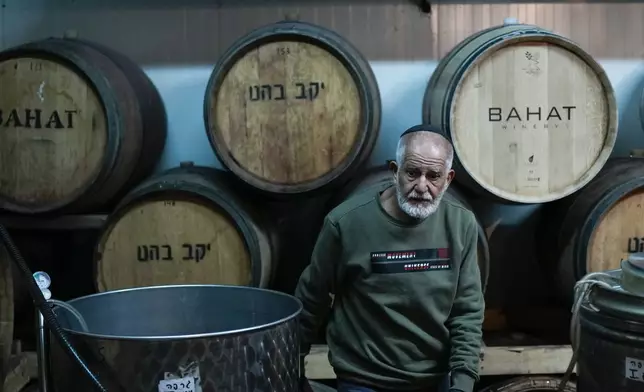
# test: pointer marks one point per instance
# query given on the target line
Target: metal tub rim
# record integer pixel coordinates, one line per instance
(227, 333)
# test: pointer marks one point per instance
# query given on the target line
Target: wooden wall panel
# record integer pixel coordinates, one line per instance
(605, 30)
(390, 31)
(393, 30)
(385, 30)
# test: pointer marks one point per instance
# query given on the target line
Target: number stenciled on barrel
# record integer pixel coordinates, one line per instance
(34, 67)
(277, 92)
(283, 51)
(196, 252)
(35, 118)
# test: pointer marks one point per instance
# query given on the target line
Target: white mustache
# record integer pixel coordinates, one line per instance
(425, 196)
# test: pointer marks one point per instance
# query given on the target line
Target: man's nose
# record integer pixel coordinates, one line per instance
(422, 184)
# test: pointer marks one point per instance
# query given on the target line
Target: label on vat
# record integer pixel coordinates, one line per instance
(185, 384)
(634, 369)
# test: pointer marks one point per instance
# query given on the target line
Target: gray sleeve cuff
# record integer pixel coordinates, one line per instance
(462, 381)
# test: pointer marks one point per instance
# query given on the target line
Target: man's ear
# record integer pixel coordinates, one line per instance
(450, 176)
(393, 166)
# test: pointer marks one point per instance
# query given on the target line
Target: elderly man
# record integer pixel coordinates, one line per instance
(408, 307)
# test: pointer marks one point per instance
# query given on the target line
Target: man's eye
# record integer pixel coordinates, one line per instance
(411, 173)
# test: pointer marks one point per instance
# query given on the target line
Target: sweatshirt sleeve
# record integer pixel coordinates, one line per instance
(317, 281)
(465, 321)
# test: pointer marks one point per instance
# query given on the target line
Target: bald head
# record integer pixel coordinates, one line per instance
(425, 144)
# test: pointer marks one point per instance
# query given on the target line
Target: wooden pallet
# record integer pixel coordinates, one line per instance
(495, 361)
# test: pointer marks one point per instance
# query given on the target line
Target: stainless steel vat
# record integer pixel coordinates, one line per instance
(239, 338)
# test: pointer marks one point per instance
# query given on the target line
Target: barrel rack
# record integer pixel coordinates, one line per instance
(495, 360)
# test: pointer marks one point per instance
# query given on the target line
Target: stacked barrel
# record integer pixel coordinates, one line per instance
(80, 125)
(292, 110)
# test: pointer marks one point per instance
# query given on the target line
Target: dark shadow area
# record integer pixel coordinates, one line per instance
(630, 135)
(67, 256)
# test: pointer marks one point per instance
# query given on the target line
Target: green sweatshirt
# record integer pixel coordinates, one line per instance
(408, 304)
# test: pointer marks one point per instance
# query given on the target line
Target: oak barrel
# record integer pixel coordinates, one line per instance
(379, 178)
(292, 108)
(531, 384)
(185, 225)
(79, 125)
(533, 117)
(598, 227)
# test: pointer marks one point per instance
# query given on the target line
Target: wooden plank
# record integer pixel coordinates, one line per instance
(495, 361)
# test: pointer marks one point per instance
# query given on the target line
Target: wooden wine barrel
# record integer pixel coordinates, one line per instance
(531, 384)
(292, 108)
(79, 124)
(186, 225)
(533, 118)
(380, 178)
(597, 227)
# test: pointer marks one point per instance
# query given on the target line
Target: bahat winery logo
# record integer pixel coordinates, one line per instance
(36, 118)
(539, 117)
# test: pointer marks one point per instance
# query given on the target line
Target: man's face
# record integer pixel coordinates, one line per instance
(422, 179)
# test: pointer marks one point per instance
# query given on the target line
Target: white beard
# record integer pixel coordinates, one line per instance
(419, 211)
